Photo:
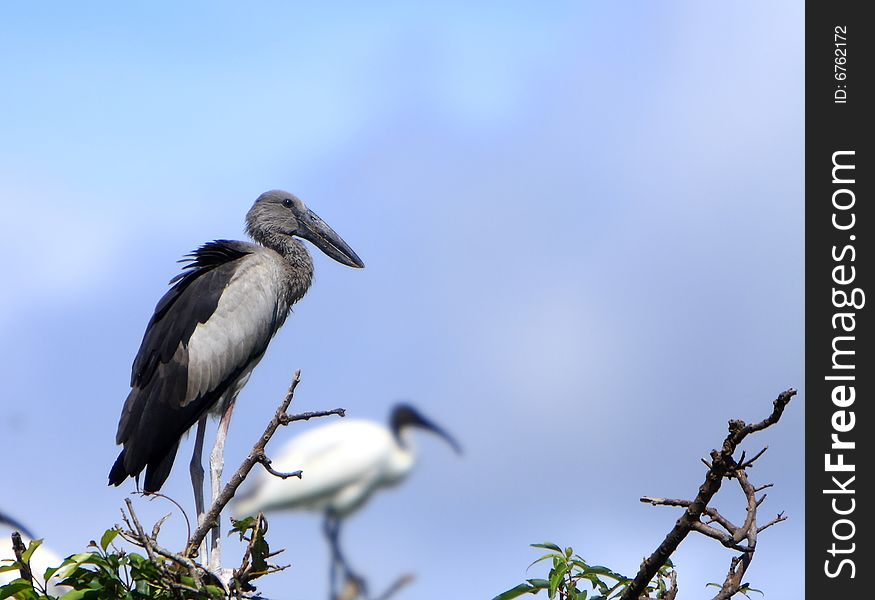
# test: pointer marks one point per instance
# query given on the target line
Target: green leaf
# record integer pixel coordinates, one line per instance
(534, 562)
(108, 536)
(74, 562)
(31, 548)
(548, 546)
(541, 584)
(13, 566)
(516, 592)
(49, 572)
(596, 582)
(606, 571)
(580, 564)
(15, 587)
(556, 580)
(77, 594)
(624, 583)
(241, 526)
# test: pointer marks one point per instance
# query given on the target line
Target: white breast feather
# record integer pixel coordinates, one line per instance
(341, 462)
(241, 323)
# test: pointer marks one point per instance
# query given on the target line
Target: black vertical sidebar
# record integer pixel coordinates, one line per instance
(840, 373)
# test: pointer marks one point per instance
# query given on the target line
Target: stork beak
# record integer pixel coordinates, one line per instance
(440, 432)
(326, 239)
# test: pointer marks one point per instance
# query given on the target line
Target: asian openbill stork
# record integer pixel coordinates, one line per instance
(210, 330)
(343, 464)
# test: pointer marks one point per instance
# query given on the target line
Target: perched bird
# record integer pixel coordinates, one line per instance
(343, 464)
(210, 330)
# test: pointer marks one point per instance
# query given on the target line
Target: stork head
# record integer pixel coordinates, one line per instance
(277, 214)
(404, 415)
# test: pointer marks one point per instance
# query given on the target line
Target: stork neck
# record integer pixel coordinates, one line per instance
(296, 259)
(404, 440)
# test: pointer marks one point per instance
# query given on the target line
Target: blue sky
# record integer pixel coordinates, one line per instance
(582, 226)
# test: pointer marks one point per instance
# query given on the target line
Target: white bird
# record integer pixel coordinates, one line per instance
(343, 464)
(41, 560)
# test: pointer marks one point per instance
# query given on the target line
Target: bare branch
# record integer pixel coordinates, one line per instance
(137, 535)
(722, 465)
(18, 548)
(265, 462)
(743, 464)
(279, 418)
(157, 527)
(306, 416)
(154, 495)
(774, 521)
(723, 538)
(138, 530)
(664, 501)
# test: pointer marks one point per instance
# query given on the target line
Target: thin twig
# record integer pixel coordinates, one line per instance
(774, 521)
(306, 416)
(743, 464)
(148, 544)
(153, 495)
(137, 536)
(265, 462)
(711, 512)
(141, 533)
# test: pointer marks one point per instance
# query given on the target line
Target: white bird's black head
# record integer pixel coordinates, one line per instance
(277, 214)
(403, 416)
(17, 526)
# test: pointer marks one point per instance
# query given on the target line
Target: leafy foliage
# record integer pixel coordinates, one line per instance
(254, 565)
(107, 571)
(572, 578)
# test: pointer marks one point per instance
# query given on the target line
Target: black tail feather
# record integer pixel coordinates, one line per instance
(158, 471)
(118, 473)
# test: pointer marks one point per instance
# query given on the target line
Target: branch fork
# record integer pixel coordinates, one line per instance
(741, 538)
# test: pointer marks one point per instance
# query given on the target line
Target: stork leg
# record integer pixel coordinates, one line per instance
(217, 464)
(196, 469)
(331, 529)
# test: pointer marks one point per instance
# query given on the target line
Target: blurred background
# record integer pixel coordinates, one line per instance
(582, 226)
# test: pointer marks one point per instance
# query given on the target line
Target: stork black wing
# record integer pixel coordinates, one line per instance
(157, 413)
(192, 300)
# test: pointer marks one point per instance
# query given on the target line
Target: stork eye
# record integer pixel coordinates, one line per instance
(287, 202)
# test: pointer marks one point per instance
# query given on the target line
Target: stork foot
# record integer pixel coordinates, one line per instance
(358, 583)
